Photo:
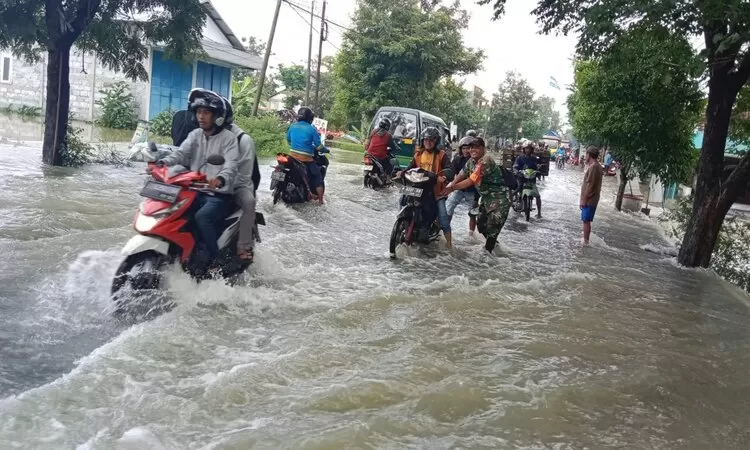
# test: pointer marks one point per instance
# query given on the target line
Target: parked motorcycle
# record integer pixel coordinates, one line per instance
(522, 202)
(289, 181)
(164, 236)
(611, 171)
(374, 172)
(409, 227)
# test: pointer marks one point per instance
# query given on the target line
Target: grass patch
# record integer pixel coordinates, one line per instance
(268, 133)
(345, 145)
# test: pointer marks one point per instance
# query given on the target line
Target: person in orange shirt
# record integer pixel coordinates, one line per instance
(436, 162)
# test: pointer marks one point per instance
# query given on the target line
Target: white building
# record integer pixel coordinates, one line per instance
(23, 84)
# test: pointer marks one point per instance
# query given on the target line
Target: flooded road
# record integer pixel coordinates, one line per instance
(332, 345)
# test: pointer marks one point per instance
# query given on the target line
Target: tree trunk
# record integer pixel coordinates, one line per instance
(57, 105)
(709, 206)
(621, 187)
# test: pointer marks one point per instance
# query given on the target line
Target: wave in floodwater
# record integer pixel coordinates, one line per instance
(328, 343)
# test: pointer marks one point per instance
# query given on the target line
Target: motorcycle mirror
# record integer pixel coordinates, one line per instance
(215, 160)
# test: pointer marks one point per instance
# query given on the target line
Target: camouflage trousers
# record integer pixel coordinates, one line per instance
(493, 212)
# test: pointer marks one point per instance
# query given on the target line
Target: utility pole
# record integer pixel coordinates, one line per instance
(265, 59)
(323, 37)
(309, 54)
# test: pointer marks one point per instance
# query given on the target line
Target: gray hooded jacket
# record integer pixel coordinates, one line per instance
(197, 147)
(246, 160)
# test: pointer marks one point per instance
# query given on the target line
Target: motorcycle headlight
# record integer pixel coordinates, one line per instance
(162, 213)
(144, 223)
(415, 177)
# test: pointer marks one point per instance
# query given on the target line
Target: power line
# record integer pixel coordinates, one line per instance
(306, 10)
(297, 10)
(301, 16)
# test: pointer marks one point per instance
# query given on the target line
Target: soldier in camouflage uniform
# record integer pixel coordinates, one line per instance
(483, 172)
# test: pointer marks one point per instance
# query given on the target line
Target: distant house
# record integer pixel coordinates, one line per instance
(552, 139)
(23, 84)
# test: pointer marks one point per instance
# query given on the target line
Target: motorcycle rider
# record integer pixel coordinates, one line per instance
(561, 154)
(471, 133)
(431, 159)
(483, 172)
(304, 145)
(528, 161)
(469, 195)
(208, 139)
(244, 186)
(380, 145)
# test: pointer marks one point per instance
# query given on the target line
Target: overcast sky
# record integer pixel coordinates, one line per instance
(511, 43)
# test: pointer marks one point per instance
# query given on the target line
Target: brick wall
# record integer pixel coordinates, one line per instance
(28, 86)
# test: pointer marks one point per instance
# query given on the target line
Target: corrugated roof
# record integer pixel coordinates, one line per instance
(216, 17)
(231, 55)
(234, 55)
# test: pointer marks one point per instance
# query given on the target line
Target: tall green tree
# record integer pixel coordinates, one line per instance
(396, 53)
(724, 26)
(325, 87)
(450, 101)
(31, 28)
(254, 45)
(642, 100)
(290, 81)
(512, 106)
(547, 116)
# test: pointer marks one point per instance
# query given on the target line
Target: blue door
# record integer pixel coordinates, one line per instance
(171, 82)
(213, 77)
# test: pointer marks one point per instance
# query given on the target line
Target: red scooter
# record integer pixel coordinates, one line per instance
(165, 237)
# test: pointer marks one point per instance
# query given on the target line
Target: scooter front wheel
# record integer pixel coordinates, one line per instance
(527, 207)
(136, 287)
(398, 235)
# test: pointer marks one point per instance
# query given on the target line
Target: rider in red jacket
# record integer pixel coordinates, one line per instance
(379, 143)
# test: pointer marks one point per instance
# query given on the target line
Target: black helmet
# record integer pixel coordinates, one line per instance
(471, 133)
(431, 133)
(196, 92)
(305, 114)
(203, 98)
(385, 124)
(229, 118)
(466, 140)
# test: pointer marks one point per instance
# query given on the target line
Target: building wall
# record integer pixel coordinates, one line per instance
(26, 87)
(211, 31)
(29, 83)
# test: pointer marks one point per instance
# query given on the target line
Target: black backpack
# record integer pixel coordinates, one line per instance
(256, 172)
(183, 122)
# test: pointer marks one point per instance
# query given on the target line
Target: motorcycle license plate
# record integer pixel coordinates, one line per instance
(367, 168)
(278, 175)
(411, 191)
(161, 191)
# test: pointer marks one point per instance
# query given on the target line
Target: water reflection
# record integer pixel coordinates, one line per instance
(15, 128)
